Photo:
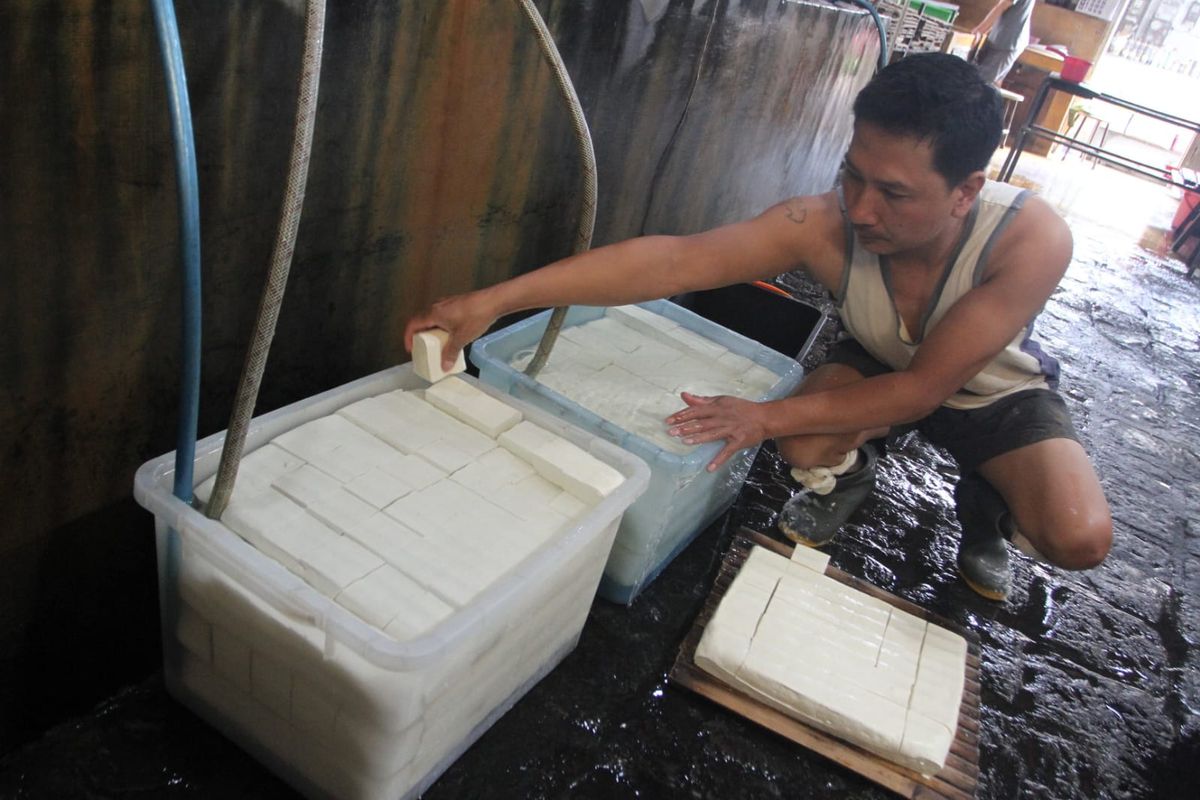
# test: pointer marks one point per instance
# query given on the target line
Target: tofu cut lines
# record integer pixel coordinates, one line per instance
(838, 659)
(629, 366)
(404, 506)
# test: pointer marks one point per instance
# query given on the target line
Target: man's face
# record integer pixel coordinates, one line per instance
(896, 200)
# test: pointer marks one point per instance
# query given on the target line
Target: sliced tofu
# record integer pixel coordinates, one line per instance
(811, 559)
(387, 593)
(427, 355)
(561, 462)
(493, 471)
(838, 659)
(337, 564)
(466, 403)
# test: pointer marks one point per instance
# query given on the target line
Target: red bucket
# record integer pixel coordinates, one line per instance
(1074, 69)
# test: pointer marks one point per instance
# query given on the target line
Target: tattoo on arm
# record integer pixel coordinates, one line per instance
(796, 211)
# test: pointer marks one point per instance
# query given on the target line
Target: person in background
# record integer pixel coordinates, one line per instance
(938, 274)
(1006, 27)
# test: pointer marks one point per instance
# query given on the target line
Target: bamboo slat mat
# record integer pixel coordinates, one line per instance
(957, 780)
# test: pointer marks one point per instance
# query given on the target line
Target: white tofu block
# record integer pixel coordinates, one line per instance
(481, 534)
(926, 742)
(809, 558)
(648, 359)
(414, 619)
(371, 598)
(305, 484)
(568, 354)
(695, 344)
(194, 632)
(250, 516)
(561, 462)
(231, 658)
(332, 567)
(569, 505)
(386, 595)
(377, 488)
(476, 408)
(412, 471)
(445, 455)
(639, 319)
(589, 339)
(289, 544)
(345, 463)
(264, 520)
(528, 498)
(612, 331)
(492, 471)
(937, 637)
(341, 510)
(271, 683)
(734, 364)
(314, 710)
(388, 418)
(256, 471)
(426, 562)
(427, 355)
(759, 378)
(871, 673)
(415, 425)
(336, 446)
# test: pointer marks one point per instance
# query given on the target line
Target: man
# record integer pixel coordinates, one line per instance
(1006, 27)
(937, 274)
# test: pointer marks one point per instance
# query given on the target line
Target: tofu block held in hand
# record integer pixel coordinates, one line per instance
(427, 355)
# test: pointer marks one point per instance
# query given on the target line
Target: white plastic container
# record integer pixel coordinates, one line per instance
(683, 498)
(329, 703)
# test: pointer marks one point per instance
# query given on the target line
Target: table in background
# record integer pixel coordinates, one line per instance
(1031, 130)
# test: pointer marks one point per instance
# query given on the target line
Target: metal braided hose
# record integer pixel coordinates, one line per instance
(583, 139)
(281, 261)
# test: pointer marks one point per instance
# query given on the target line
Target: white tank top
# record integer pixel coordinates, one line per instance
(869, 314)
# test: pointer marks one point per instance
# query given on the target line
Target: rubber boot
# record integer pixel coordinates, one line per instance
(812, 519)
(986, 525)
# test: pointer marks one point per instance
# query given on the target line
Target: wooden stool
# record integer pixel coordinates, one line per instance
(1011, 101)
(1189, 229)
(1099, 128)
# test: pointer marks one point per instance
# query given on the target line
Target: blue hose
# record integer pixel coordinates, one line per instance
(883, 54)
(189, 241)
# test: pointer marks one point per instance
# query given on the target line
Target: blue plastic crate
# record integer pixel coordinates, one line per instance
(682, 498)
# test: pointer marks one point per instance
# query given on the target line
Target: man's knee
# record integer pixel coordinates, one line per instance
(806, 452)
(1078, 541)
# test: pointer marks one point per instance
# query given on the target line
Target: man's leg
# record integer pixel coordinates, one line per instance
(1025, 478)
(1056, 501)
(823, 503)
(824, 450)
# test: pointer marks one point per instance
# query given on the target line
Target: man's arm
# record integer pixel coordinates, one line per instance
(988, 22)
(1025, 270)
(799, 233)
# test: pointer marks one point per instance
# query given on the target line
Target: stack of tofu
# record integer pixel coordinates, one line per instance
(629, 366)
(405, 506)
(838, 659)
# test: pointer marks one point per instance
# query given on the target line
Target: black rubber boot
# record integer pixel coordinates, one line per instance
(986, 525)
(812, 519)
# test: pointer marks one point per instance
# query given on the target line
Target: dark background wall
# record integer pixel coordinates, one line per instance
(442, 161)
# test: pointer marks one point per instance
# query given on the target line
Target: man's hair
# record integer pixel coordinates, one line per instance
(941, 99)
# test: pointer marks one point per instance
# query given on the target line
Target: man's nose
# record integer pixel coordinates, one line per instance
(861, 208)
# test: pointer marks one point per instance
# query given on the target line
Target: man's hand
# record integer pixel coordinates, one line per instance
(707, 419)
(464, 316)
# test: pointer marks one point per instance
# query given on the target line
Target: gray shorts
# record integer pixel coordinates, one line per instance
(973, 436)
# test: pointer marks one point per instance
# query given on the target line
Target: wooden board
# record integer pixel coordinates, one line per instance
(957, 780)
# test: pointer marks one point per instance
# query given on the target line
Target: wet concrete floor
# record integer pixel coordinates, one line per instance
(1091, 681)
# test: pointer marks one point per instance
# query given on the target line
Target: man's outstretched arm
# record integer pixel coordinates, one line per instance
(799, 233)
(1024, 272)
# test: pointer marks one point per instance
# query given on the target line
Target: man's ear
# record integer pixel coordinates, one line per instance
(966, 192)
